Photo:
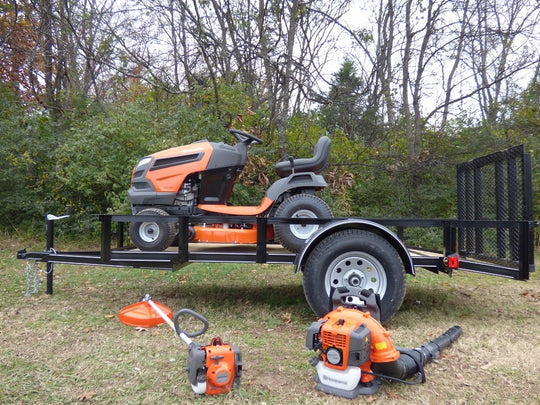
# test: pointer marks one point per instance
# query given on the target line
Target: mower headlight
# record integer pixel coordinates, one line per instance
(143, 162)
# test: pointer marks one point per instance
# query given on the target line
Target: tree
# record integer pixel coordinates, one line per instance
(499, 49)
(271, 48)
(343, 108)
(57, 54)
(382, 69)
(17, 39)
(432, 60)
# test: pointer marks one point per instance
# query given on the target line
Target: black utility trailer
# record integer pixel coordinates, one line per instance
(493, 234)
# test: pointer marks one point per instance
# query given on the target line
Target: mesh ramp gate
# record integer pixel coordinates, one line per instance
(495, 210)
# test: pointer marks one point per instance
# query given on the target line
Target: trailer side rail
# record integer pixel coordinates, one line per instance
(113, 226)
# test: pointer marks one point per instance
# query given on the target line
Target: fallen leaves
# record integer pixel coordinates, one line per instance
(86, 396)
(286, 317)
(532, 295)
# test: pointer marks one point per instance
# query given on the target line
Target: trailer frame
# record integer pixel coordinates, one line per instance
(264, 252)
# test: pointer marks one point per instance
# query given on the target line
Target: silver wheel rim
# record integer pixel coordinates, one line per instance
(357, 269)
(149, 231)
(303, 231)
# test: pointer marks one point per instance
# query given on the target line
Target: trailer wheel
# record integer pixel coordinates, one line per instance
(294, 236)
(357, 258)
(152, 235)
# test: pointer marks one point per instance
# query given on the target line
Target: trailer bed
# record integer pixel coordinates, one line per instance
(198, 253)
(266, 252)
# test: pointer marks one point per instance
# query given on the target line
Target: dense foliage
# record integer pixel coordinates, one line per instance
(85, 160)
(88, 88)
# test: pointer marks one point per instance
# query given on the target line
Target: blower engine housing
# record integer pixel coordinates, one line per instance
(355, 352)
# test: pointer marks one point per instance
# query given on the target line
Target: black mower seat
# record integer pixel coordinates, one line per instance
(315, 164)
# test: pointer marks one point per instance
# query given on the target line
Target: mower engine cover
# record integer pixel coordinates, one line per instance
(157, 178)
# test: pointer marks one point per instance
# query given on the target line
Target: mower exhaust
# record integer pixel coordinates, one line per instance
(212, 369)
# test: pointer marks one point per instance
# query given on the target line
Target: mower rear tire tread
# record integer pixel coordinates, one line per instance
(294, 236)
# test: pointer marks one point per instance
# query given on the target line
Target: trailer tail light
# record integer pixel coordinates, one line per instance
(453, 261)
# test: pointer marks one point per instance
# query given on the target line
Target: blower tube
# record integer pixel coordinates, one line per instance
(412, 361)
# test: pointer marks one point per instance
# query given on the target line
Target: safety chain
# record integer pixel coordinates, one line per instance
(32, 275)
(32, 278)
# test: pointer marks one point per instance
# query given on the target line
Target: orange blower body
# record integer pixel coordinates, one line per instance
(355, 352)
(358, 338)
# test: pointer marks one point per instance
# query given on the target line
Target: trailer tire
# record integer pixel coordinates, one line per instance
(294, 236)
(152, 235)
(359, 258)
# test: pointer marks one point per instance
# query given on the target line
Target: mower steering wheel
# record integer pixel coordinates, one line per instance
(195, 315)
(245, 137)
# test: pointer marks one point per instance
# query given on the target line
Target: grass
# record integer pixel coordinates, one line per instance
(71, 348)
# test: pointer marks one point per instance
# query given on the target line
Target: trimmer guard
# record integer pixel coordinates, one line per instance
(141, 314)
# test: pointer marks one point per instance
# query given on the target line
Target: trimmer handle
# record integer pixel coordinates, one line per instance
(196, 315)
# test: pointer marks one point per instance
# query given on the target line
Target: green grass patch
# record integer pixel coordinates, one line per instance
(71, 348)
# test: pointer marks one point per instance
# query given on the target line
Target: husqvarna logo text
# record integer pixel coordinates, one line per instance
(325, 377)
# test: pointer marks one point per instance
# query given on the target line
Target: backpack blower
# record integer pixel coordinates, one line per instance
(212, 369)
(355, 352)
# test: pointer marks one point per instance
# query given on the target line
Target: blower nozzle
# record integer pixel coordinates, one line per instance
(412, 361)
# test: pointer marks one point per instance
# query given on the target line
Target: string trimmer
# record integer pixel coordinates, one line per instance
(356, 353)
(212, 369)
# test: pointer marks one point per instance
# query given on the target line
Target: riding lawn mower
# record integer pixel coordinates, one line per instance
(198, 179)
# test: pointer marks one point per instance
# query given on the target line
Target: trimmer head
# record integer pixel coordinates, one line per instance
(142, 314)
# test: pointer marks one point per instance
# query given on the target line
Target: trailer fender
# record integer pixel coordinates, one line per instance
(356, 223)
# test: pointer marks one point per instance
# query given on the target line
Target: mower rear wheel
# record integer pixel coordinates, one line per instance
(294, 236)
(151, 235)
(354, 258)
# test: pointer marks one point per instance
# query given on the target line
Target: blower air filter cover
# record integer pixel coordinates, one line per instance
(143, 315)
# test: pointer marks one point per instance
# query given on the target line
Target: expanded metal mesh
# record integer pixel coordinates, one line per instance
(494, 187)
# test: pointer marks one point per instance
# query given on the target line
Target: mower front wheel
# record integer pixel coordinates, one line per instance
(151, 235)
